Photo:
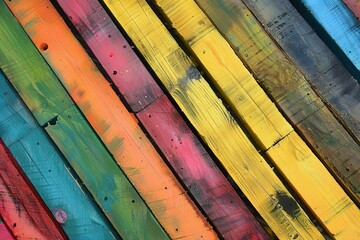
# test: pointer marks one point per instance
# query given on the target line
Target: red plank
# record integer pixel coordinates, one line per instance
(182, 149)
(20, 205)
(4, 231)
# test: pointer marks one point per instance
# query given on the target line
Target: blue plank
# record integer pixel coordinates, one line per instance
(339, 23)
(48, 170)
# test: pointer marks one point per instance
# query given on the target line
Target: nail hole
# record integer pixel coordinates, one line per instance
(44, 46)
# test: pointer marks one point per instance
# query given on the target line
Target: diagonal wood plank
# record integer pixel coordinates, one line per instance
(286, 83)
(338, 22)
(136, 227)
(288, 152)
(21, 206)
(354, 6)
(5, 232)
(214, 123)
(48, 171)
(115, 126)
(162, 122)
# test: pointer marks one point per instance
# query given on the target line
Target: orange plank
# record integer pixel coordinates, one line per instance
(117, 128)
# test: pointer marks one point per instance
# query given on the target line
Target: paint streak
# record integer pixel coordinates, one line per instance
(230, 76)
(354, 6)
(207, 114)
(187, 157)
(341, 25)
(283, 80)
(47, 169)
(20, 205)
(136, 156)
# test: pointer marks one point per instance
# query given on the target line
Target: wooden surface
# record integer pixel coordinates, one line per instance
(288, 152)
(210, 118)
(5, 232)
(354, 6)
(21, 206)
(115, 126)
(48, 171)
(183, 151)
(339, 23)
(286, 84)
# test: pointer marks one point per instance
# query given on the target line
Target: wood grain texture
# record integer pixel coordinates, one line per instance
(287, 85)
(115, 126)
(183, 151)
(113, 51)
(213, 122)
(48, 171)
(21, 206)
(340, 23)
(5, 233)
(199, 173)
(257, 111)
(354, 6)
(24, 59)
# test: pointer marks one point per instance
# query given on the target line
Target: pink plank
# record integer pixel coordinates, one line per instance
(20, 205)
(354, 6)
(182, 149)
(4, 231)
(113, 51)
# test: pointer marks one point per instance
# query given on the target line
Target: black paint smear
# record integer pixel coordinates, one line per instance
(288, 204)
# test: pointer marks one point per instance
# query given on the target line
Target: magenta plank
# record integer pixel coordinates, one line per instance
(164, 124)
(4, 231)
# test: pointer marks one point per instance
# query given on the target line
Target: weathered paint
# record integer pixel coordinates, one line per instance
(5, 233)
(113, 52)
(128, 227)
(339, 23)
(210, 118)
(286, 83)
(21, 207)
(48, 170)
(163, 123)
(115, 126)
(262, 119)
(354, 6)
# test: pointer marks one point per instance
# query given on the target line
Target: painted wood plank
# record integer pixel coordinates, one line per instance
(48, 171)
(354, 6)
(116, 127)
(339, 23)
(188, 158)
(213, 122)
(262, 119)
(5, 233)
(129, 227)
(286, 83)
(21, 206)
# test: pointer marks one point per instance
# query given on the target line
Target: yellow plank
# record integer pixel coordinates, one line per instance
(211, 119)
(293, 158)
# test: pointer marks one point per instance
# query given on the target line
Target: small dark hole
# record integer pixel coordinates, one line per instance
(109, 35)
(49, 170)
(124, 46)
(14, 225)
(44, 46)
(114, 72)
(133, 201)
(176, 229)
(105, 198)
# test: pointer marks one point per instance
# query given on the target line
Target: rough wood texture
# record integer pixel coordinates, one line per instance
(288, 153)
(21, 207)
(287, 85)
(115, 126)
(5, 232)
(213, 122)
(354, 6)
(188, 158)
(48, 171)
(339, 23)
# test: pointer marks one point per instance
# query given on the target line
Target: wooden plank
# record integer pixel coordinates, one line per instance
(126, 217)
(115, 126)
(21, 206)
(354, 6)
(213, 122)
(262, 119)
(286, 83)
(188, 158)
(48, 171)
(339, 23)
(5, 232)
